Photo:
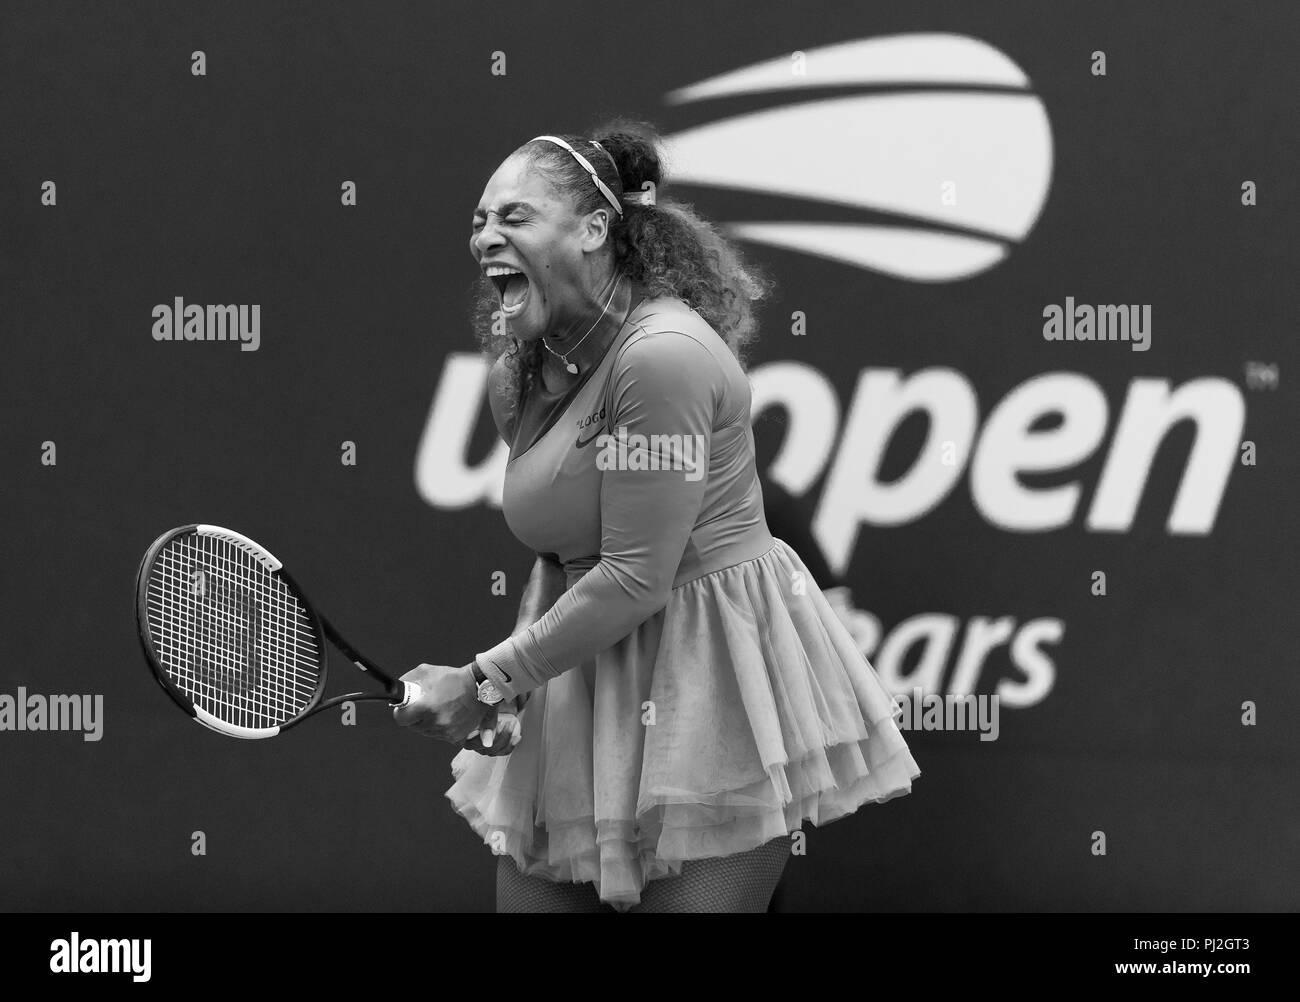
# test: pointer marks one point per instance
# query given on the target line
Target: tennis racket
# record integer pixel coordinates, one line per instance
(233, 641)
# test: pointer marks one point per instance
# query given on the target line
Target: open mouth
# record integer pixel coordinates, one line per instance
(512, 286)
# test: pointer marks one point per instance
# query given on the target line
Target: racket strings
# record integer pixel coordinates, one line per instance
(230, 634)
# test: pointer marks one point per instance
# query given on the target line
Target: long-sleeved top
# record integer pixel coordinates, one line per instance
(668, 495)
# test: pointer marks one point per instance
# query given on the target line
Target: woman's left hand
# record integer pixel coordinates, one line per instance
(498, 733)
(447, 708)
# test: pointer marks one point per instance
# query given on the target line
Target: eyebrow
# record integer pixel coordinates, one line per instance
(506, 209)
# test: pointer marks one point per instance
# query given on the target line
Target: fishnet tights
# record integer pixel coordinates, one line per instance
(743, 882)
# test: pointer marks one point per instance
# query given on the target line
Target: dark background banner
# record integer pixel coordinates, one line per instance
(1120, 714)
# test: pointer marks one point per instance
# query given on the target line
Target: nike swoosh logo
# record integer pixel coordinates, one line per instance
(582, 443)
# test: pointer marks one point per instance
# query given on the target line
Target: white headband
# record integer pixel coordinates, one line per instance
(586, 165)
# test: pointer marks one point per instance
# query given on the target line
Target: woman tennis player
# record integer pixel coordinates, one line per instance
(691, 696)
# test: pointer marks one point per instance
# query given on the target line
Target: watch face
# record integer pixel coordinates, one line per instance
(488, 692)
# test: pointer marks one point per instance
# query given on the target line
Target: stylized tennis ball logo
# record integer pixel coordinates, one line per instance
(925, 156)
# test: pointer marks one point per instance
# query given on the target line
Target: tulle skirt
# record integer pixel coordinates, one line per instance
(737, 711)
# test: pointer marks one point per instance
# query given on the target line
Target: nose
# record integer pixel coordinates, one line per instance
(487, 237)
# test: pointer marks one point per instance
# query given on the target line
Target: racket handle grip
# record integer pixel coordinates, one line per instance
(410, 692)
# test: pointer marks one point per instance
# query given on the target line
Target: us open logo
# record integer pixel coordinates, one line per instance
(933, 165)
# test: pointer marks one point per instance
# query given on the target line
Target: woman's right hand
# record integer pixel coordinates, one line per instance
(498, 733)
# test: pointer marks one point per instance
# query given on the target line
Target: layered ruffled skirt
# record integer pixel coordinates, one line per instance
(737, 711)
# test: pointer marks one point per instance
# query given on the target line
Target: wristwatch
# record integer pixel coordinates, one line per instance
(487, 689)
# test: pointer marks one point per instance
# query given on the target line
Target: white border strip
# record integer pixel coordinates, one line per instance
(232, 730)
(256, 550)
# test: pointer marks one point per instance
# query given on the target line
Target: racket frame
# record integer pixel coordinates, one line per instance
(396, 691)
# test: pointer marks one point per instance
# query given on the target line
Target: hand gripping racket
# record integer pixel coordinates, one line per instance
(233, 640)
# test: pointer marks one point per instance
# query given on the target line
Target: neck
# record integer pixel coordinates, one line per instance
(568, 334)
(586, 339)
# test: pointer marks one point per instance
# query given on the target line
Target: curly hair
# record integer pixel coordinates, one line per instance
(665, 245)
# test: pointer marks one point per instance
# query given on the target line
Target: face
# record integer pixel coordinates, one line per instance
(523, 224)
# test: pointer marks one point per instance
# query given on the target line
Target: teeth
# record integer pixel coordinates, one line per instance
(493, 270)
